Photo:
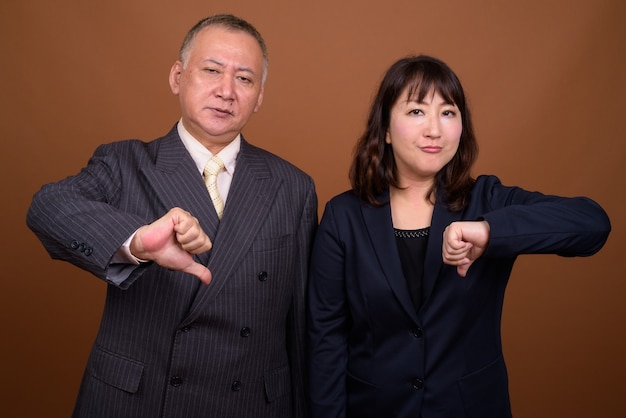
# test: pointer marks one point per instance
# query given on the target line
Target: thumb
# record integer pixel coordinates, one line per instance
(200, 271)
(462, 269)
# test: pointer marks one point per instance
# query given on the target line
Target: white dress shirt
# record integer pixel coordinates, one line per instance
(201, 156)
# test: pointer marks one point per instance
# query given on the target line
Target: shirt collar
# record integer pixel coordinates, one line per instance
(201, 155)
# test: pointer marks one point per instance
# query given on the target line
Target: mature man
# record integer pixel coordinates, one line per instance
(139, 216)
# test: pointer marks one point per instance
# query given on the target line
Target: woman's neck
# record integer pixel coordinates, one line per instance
(411, 208)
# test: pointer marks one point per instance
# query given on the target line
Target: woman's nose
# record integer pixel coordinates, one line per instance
(433, 127)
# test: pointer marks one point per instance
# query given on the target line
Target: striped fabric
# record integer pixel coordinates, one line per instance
(169, 346)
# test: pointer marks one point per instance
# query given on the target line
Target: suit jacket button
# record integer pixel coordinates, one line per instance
(176, 381)
(417, 384)
(262, 276)
(417, 332)
(81, 247)
(74, 245)
(88, 251)
(245, 332)
(236, 385)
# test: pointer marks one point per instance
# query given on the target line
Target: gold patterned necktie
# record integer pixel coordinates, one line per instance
(211, 170)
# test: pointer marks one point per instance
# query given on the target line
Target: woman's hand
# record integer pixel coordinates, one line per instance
(463, 243)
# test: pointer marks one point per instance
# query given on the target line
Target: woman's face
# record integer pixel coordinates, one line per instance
(424, 136)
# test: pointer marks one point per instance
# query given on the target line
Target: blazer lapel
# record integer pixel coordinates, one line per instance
(177, 182)
(250, 198)
(433, 262)
(380, 229)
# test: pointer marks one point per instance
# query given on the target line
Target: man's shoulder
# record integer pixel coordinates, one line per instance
(132, 146)
(275, 163)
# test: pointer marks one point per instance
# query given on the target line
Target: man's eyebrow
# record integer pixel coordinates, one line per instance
(221, 64)
(213, 61)
(246, 70)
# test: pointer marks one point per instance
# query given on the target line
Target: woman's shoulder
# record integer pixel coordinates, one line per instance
(347, 198)
(486, 180)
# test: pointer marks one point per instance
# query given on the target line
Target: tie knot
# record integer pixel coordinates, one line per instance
(214, 166)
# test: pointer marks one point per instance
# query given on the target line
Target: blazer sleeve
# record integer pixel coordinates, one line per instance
(327, 321)
(523, 222)
(76, 218)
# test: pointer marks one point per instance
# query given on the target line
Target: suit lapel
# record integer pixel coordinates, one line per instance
(177, 182)
(380, 229)
(250, 198)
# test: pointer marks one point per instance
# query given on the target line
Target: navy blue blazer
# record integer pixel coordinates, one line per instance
(372, 355)
(169, 346)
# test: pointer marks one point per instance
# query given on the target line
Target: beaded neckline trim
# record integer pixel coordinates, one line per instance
(414, 233)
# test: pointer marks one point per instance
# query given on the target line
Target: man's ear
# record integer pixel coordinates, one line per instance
(259, 100)
(174, 79)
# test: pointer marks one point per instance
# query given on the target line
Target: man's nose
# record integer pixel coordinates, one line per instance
(226, 87)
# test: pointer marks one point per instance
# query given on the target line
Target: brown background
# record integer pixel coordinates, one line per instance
(546, 81)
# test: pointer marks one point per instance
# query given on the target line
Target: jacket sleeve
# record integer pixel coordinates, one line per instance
(523, 222)
(327, 321)
(297, 321)
(76, 218)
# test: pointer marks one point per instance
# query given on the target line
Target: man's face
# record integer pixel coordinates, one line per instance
(220, 86)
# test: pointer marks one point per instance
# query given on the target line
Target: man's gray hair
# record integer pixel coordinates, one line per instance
(230, 22)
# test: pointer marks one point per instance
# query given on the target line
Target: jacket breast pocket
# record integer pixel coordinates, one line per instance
(115, 370)
(270, 244)
(275, 257)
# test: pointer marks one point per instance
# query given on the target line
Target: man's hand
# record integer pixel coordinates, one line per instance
(463, 243)
(170, 242)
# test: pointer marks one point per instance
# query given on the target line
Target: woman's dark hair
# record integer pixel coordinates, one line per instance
(373, 168)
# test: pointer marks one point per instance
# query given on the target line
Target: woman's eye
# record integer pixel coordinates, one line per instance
(416, 112)
(449, 113)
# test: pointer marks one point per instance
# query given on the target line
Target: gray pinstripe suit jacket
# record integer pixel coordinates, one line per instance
(169, 346)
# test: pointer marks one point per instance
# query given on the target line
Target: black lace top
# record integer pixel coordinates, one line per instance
(412, 249)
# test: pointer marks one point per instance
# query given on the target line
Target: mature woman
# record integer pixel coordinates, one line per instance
(409, 268)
